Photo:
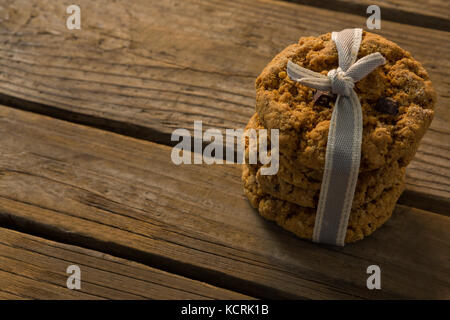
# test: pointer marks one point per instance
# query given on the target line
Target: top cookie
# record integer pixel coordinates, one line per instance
(392, 130)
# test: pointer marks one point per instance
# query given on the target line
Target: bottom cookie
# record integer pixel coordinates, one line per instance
(370, 186)
(363, 220)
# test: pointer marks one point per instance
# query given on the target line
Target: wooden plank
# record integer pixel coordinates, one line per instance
(35, 268)
(145, 69)
(117, 194)
(422, 13)
(10, 296)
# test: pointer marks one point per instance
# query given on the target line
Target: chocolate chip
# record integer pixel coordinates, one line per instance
(323, 98)
(387, 105)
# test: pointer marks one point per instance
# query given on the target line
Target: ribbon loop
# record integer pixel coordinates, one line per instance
(365, 65)
(343, 154)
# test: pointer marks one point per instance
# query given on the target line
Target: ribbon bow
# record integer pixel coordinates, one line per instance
(343, 154)
(337, 80)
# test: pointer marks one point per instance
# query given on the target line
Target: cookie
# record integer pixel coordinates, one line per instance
(301, 185)
(397, 101)
(299, 220)
(370, 186)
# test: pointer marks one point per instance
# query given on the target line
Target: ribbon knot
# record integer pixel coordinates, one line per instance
(343, 153)
(341, 83)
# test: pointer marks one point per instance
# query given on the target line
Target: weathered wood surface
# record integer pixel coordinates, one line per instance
(35, 268)
(124, 196)
(424, 13)
(10, 296)
(144, 69)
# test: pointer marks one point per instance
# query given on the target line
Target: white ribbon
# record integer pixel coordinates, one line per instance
(343, 152)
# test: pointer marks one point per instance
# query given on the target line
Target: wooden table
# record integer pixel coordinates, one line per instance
(86, 118)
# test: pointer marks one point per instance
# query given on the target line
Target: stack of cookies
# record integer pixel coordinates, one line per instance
(397, 101)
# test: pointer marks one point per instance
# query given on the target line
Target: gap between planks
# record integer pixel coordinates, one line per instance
(125, 197)
(422, 13)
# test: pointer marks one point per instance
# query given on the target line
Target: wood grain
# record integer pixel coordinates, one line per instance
(10, 296)
(145, 69)
(35, 268)
(423, 13)
(124, 196)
